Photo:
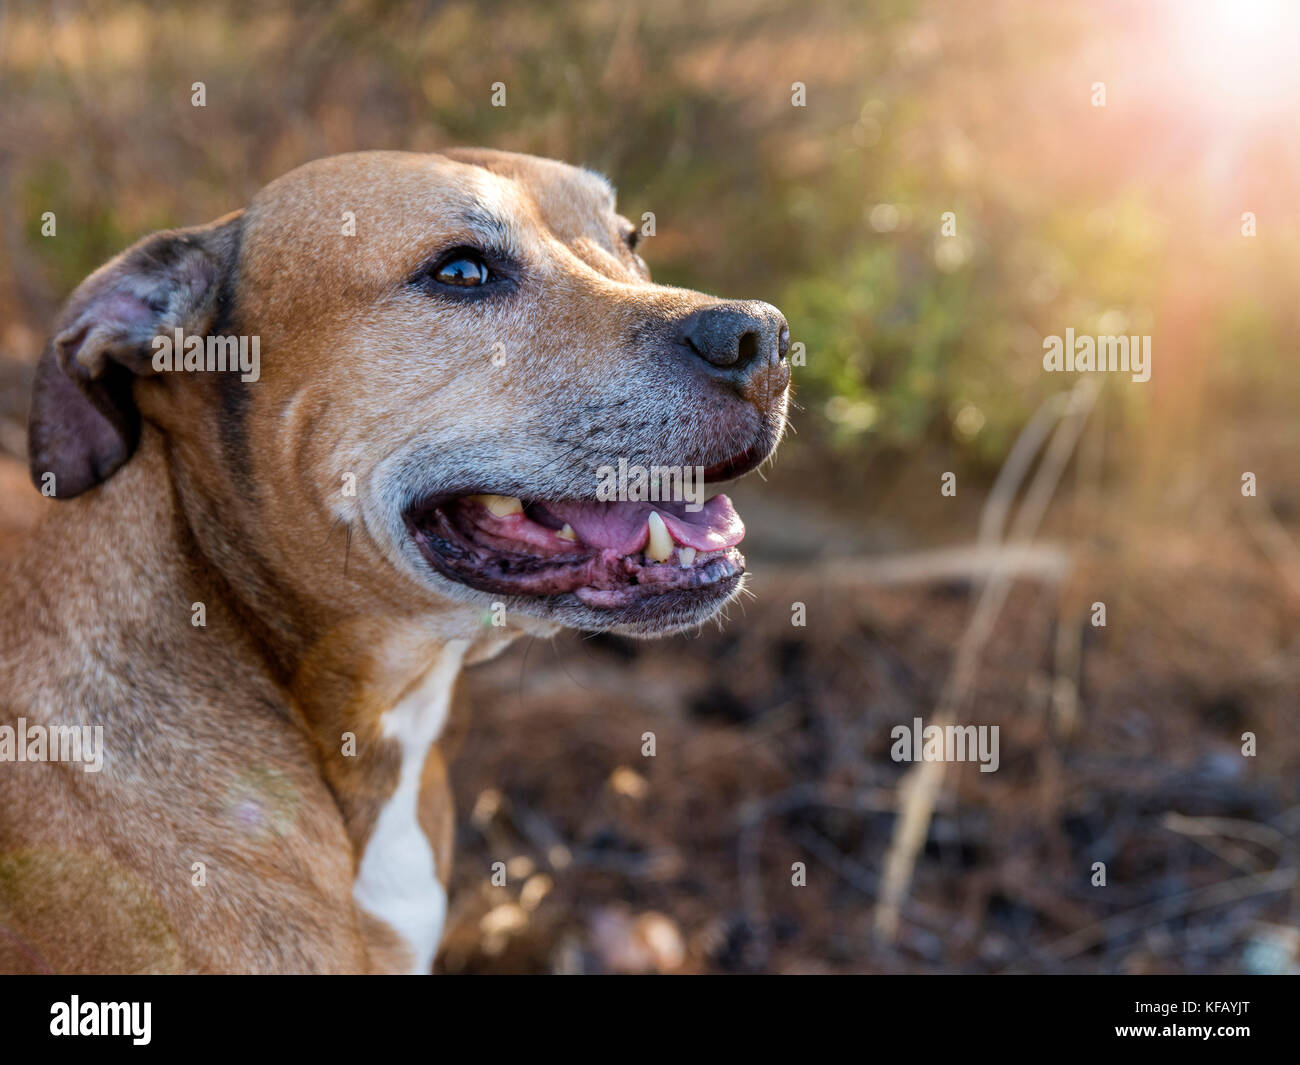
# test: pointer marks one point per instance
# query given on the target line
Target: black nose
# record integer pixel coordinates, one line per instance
(732, 335)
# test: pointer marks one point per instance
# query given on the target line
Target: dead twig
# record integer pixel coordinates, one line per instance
(976, 562)
(920, 786)
(1134, 920)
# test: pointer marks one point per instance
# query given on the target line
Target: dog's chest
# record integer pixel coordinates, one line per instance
(397, 880)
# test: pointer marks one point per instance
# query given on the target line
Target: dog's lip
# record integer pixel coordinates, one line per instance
(511, 554)
(738, 465)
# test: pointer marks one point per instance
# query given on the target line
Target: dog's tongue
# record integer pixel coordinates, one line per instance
(622, 526)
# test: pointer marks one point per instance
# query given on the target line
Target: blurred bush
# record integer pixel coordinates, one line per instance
(1065, 214)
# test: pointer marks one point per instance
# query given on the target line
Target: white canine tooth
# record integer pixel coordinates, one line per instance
(660, 545)
(567, 532)
(500, 506)
(687, 556)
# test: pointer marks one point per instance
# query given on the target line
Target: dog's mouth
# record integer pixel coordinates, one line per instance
(607, 555)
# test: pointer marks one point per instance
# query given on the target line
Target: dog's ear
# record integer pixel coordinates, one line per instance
(84, 423)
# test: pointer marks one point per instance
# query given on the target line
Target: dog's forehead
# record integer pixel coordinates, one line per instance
(566, 197)
(378, 207)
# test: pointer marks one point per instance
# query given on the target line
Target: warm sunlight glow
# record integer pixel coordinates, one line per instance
(1240, 54)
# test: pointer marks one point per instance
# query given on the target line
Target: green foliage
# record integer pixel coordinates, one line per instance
(831, 211)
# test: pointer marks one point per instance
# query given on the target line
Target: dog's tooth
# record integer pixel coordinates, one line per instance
(567, 533)
(660, 545)
(500, 506)
(687, 555)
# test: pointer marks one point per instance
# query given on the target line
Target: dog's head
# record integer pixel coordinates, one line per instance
(460, 358)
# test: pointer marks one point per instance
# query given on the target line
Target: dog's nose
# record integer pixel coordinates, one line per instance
(734, 335)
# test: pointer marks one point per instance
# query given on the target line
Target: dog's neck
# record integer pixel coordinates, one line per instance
(152, 575)
(187, 597)
(162, 580)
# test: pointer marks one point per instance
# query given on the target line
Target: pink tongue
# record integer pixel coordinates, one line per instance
(622, 526)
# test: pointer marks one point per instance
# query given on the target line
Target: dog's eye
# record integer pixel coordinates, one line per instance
(632, 238)
(464, 271)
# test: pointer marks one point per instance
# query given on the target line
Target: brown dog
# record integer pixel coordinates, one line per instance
(270, 576)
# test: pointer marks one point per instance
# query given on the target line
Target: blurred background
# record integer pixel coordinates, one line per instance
(1111, 168)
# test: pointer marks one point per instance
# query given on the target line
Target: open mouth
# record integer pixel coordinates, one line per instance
(607, 555)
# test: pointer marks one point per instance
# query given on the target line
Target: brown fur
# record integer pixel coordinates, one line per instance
(223, 742)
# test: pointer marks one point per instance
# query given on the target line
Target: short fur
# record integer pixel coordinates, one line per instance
(224, 760)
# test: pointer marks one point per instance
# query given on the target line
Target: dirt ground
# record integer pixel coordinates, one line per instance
(1120, 744)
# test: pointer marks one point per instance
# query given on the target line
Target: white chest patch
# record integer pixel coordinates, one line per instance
(397, 881)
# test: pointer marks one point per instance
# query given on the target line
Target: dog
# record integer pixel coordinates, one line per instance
(259, 583)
